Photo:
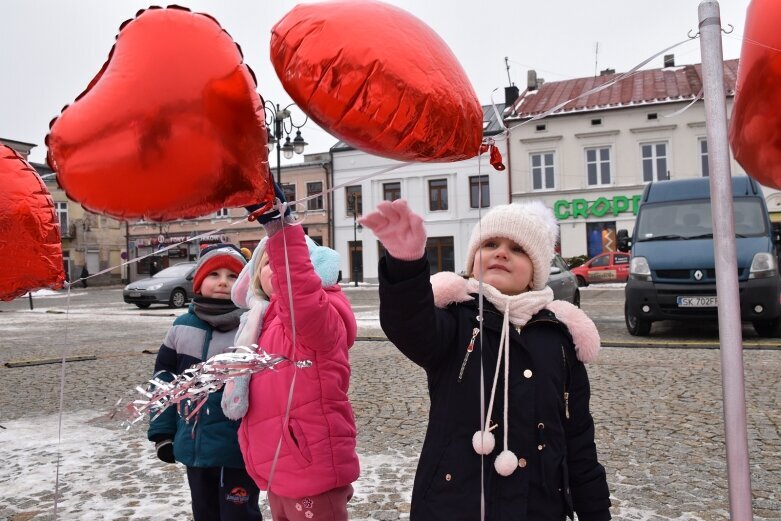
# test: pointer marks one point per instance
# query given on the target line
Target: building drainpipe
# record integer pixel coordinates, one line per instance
(509, 171)
(127, 249)
(329, 183)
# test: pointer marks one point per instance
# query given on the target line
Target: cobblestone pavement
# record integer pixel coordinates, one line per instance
(658, 415)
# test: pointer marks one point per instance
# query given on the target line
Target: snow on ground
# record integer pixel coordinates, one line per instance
(107, 472)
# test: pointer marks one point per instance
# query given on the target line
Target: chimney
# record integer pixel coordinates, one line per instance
(510, 95)
(607, 72)
(669, 60)
(531, 80)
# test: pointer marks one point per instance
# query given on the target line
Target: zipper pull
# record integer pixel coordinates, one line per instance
(469, 349)
(566, 405)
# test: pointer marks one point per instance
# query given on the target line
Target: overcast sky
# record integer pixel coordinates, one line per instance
(51, 49)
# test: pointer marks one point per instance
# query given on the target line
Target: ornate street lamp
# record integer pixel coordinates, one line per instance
(279, 122)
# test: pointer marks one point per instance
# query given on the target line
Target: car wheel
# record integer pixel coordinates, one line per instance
(576, 299)
(768, 328)
(582, 282)
(636, 325)
(143, 305)
(178, 298)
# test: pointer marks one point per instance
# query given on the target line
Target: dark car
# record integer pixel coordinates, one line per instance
(172, 286)
(563, 282)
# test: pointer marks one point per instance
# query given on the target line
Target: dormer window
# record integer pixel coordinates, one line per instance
(541, 128)
(596, 122)
(652, 116)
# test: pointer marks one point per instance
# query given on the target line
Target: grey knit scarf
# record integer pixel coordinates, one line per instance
(221, 314)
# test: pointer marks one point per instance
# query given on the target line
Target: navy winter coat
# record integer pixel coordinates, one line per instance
(212, 440)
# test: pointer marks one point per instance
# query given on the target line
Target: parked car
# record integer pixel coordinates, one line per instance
(563, 282)
(172, 286)
(612, 266)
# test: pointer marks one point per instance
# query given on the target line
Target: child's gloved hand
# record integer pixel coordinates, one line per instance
(398, 228)
(274, 214)
(165, 451)
(235, 398)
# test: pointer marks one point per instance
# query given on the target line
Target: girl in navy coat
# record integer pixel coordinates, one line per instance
(510, 435)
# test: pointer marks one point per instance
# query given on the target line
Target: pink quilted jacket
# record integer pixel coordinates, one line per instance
(317, 450)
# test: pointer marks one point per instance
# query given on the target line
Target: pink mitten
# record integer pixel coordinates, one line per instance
(398, 228)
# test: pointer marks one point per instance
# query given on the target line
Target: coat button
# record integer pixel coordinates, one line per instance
(527, 373)
(540, 425)
(522, 462)
(540, 447)
(448, 477)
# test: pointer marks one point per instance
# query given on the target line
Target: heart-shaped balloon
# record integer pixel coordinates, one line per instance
(379, 79)
(30, 248)
(171, 127)
(755, 126)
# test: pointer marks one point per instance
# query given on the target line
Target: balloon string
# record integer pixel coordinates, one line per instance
(746, 39)
(62, 405)
(293, 356)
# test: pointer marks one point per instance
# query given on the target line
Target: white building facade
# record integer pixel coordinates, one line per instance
(591, 160)
(449, 196)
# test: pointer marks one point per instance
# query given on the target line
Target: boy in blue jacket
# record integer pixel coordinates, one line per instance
(208, 444)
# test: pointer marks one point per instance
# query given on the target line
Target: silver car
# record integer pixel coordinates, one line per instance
(563, 283)
(172, 286)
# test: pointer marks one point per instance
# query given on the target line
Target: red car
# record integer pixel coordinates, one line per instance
(612, 266)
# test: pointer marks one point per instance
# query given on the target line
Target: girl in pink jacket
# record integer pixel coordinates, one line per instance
(306, 458)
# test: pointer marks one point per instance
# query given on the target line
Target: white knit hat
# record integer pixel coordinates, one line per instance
(531, 225)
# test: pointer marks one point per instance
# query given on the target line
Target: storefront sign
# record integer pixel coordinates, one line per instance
(599, 208)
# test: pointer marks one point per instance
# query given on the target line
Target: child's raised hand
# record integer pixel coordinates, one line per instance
(398, 228)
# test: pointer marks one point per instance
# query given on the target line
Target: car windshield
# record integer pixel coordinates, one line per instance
(692, 220)
(180, 270)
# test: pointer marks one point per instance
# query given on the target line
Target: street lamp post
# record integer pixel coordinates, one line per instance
(354, 249)
(281, 120)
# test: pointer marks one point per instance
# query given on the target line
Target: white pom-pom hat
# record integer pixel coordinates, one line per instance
(530, 225)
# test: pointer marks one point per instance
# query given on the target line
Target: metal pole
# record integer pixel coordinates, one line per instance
(355, 241)
(730, 332)
(278, 134)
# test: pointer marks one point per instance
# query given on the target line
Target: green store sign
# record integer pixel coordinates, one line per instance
(603, 206)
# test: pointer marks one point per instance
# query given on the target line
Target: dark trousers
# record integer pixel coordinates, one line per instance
(223, 494)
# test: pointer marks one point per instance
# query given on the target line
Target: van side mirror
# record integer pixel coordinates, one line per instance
(623, 241)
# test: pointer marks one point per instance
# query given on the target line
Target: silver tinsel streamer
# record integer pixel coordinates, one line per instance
(190, 390)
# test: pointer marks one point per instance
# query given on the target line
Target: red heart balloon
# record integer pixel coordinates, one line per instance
(171, 127)
(378, 78)
(30, 248)
(755, 127)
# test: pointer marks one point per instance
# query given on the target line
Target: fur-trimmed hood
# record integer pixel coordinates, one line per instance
(450, 288)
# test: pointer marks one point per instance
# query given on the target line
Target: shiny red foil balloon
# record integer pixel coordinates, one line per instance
(171, 127)
(378, 78)
(755, 126)
(30, 248)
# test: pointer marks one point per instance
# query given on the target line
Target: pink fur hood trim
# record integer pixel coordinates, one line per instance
(450, 288)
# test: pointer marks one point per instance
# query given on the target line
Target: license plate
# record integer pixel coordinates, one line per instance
(134, 294)
(697, 302)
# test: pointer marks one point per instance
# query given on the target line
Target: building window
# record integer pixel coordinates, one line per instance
(62, 215)
(222, 213)
(543, 171)
(598, 166)
(391, 191)
(354, 200)
(654, 157)
(290, 192)
(479, 194)
(437, 194)
(703, 146)
(439, 251)
(315, 203)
